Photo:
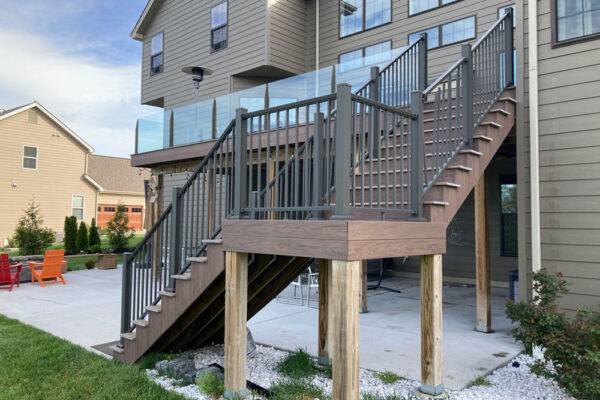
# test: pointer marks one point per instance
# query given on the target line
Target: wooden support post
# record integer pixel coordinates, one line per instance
(236, 304)
(363, 287)
(325, 313)
(482, 258)
(346, 287)
(431, 324)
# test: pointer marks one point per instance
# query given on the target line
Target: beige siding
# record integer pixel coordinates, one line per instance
(402, 25)
(288, 37)
(186, 28)
(569, 142)
(126, 199)
(59, 173)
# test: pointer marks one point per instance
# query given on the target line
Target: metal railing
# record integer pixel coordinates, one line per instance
(461, 97)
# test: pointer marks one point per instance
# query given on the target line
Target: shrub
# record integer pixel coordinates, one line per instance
(30, 237)
(210, 385)
(90, 264)
(82, 237)
(12, 243)
(95, 249)
(571, 346)
(70, 234)
(296, 365)
(118, 232)
(94, 238)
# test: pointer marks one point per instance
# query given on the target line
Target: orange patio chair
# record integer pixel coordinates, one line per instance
(49, 269)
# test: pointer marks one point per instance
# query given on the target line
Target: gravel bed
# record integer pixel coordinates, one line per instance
(506, 383)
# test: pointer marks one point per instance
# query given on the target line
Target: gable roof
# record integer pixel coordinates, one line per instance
(138, 30)
(115, 174)
(9, 113)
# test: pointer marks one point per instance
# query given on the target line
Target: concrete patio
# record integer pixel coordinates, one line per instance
(87, 312)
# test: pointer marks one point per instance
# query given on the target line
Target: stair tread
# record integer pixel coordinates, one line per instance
(460, 167)
(447, 184)
(212, 241)
(483, 137)
(129, 336)
(471, 151)
(140, 322)
(435, 203)
(500, 111)
(508, 98)
(182, 277)
(166, 293)
(197, 259)
(117, 349)
(491, 123)
(156, 308)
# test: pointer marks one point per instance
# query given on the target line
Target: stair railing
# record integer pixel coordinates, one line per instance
(461, 97)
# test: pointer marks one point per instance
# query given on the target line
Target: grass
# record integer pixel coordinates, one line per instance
(387, 377)
(296, 389)
(369, 396)
(481, 381)
(36, 365)
(78, 263)
(103, 243)
(211, 385)
(297, 365)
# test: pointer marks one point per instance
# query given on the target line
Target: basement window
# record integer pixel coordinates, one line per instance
(218, 27)
(508, 216)
(156, 54)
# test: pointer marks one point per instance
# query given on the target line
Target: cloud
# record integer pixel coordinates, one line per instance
(99, 101)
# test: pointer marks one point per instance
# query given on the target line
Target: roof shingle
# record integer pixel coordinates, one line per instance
(117, 174)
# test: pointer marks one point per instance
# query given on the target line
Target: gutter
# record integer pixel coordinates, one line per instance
(534, 162)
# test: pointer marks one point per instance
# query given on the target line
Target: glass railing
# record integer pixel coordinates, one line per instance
(205, 120)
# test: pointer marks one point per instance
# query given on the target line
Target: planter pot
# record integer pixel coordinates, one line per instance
(107, 261)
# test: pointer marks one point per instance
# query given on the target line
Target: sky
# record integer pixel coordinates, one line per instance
(75, 57)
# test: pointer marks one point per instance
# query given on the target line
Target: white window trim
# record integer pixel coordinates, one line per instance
(37, 153)
(82, 207)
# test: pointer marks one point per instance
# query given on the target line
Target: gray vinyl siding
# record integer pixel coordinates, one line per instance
(287, 35)
(402, 25)
(569, 154)
(459, 260)
(186, 27)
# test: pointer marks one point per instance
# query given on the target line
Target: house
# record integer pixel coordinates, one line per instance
(42, 159)
(118, 183)
(462, 107)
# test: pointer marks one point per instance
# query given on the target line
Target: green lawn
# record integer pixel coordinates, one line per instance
(36, 365)
(103, 243)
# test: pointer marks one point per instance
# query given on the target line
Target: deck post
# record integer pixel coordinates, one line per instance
(343, 149)
(467, 94)
(240, 164)
(374, 91)
(417, 154)
(126, 296)
(325, 313)
(431, 324)
(236, 305)
(363, 287)
(175, 237)
(509, 46)
(318, 191)
(346, 287)
(482, 258)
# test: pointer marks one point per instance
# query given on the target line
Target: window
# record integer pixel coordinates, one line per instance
(33, 116)
(29, 157)
(156, 54)
(77, 207)
(99, 208)
(576, 19)
(359, 15)
(502, 11)
(366, 56)
(218, 27)
(508, 197)
(136, 210)
(109, 209)
(450, 33)
(419, 6)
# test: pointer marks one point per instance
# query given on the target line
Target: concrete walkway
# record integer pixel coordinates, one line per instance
(390, 332)
(86, 311)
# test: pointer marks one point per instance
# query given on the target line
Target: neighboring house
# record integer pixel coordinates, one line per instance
(118, 183)
(44, 160)
(485, 196)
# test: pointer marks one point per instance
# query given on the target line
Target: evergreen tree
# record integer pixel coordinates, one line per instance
(70, 234)
(117, 230)
(82, 237)
(30, 236)
(94, 236)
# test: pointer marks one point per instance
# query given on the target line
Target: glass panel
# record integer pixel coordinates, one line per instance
(156, 44)
(570, 27)
(458, 31)
(417, 6)
(219, 37)
(192, 123)
(350, 60)
(153, 133)
(218, 15)
(29, 163)
(565, 8)
(351, 17)
(78, 213)
(77, 201)
(30, 151)
(510, 243)
(378, 52)
(156, 63)
(509, 198)
(591, 22)
(448, 1)
(433, 39)
(377, 12)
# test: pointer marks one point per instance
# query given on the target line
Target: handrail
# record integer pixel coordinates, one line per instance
(444, 75)
(384, 107)
(408, 47)
(489, 31)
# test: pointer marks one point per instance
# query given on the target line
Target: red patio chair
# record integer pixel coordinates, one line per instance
(9, 274)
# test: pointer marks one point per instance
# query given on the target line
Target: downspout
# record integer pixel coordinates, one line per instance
(534, 162)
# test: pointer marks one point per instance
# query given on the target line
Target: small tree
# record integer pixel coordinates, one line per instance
(117, 230)
(70, 234)
(94, 237)
(82, 237)
(30, 236)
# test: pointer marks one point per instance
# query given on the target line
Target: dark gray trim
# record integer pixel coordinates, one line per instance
(554, 31)
(364, 20)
